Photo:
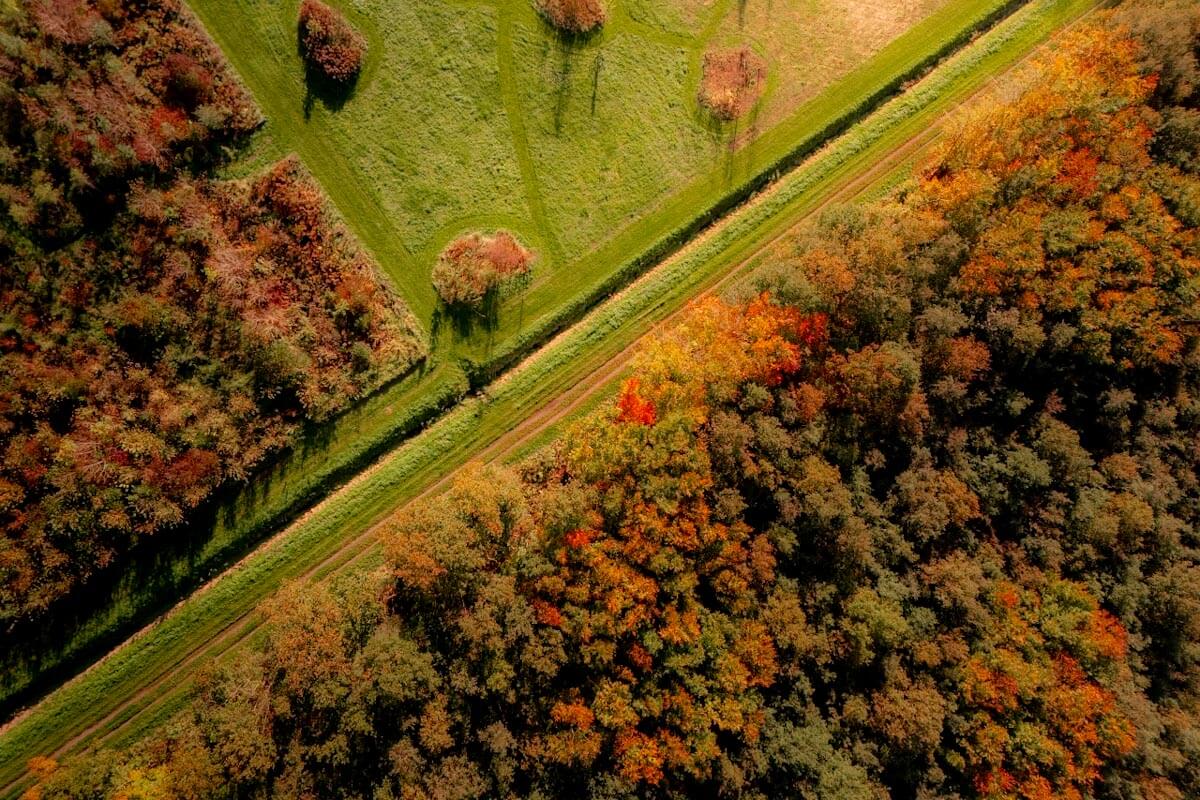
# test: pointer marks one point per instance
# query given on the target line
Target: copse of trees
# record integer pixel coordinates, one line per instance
(731, 82)
(162, 332)
(573, 17)
(82, 91)
(921, 522)
(329, 42)
(475, 265)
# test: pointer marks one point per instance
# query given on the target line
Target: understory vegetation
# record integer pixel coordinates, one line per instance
(163, 332)
(917, 518)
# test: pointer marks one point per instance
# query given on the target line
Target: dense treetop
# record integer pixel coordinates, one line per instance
(330, 42)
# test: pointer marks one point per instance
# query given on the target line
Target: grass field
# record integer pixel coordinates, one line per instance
(475, 114)
(111, 703)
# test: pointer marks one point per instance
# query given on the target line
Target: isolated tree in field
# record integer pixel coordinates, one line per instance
(330, 42)
(573, 17)
(731, 82)
(475, 264)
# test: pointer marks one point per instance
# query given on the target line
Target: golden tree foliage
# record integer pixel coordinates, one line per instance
(1056, 187)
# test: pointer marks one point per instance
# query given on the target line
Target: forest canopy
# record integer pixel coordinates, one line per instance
(163, 331)
(916, 518)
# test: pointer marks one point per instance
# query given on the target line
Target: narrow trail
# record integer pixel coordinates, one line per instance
(562, 406)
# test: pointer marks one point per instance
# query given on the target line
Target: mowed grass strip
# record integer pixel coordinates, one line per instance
(107, 689)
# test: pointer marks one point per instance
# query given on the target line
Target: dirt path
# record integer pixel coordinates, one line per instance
(561, 407)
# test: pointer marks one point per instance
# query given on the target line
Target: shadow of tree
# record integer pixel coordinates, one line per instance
(562, 89)
(570, 43)
(320, 87)
(466, 320)
(597, 66)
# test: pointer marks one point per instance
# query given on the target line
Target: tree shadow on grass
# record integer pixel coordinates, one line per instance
(730, 137)
(320, 87)
(569, 45)
(466, 321)
(724, 135)
(597, 66)
(562, 88)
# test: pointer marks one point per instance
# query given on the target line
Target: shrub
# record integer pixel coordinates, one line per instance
(330, 42)
(474, 264)
(189, 83)
(731, 82)
(573, 16)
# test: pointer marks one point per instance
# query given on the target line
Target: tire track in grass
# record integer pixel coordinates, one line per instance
(547, 414)
(511, 95)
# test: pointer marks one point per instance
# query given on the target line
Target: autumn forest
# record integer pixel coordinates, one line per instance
(906, 506)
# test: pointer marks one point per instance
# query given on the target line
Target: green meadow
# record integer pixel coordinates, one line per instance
(476, 115)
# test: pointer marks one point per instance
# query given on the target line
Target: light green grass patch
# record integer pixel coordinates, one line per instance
(683, 18)
(611, 130)
(422, 140)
